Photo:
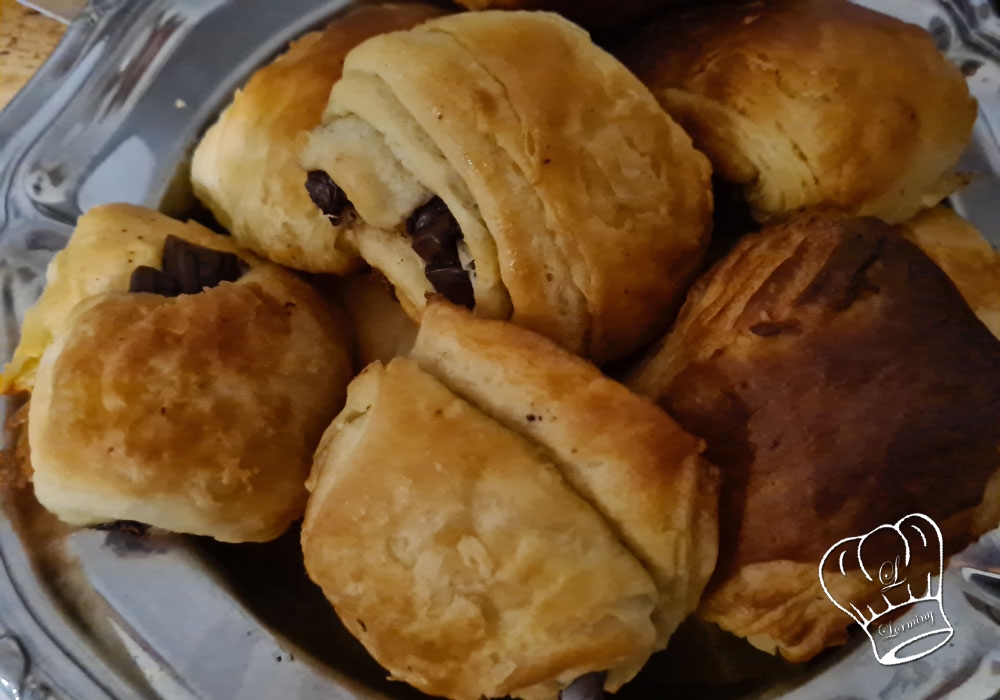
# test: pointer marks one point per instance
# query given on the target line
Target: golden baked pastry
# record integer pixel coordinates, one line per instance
(812, 103)
(382, 330)
(459, 556)
(841, 382)
(505, 161)
(109, 242)
(634, 464)
(245, 169)
(538, 523)
(189, 397)
(968, 258)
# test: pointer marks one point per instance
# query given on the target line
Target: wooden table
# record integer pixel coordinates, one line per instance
(26, 40)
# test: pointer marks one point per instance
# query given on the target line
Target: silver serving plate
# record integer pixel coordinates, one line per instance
(87, 615)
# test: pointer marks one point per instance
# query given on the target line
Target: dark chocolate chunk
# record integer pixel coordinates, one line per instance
(434, 236)
(209, 266)
(433, 213)
(196, 267)
(232, 268)
(188, 268)
(185, 272)
(327, 195)
(128, 527)
(454, 283)
(214, 266)
(437, 248)
(149, 279)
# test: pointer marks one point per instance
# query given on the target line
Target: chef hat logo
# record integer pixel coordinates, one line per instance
(910, 578)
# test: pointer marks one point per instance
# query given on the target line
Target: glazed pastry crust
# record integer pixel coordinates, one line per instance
(575, 192)
(196, 414)
(623, 454)
(245, 169)
(109, 242)
(830, 366)
(968, 259)
(812, 103)
(459, 557)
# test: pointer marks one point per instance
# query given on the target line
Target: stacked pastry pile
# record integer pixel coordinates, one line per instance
(488, 512)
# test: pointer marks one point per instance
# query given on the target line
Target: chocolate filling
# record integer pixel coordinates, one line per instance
(149, 279)
(327, 195)
(434, 236)
(187, 269)
(433, 230)
(127, 527)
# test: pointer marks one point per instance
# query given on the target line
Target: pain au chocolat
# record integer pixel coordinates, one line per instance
(175, 380)
(841, 382)
(245, 169)
(539, 522)
(809, 103)
(505, 161)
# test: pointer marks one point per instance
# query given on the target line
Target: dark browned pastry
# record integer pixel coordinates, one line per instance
(841, 383)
